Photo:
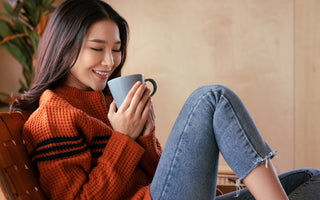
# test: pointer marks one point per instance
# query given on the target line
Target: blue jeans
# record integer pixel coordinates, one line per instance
(299, 184)
(212, 120)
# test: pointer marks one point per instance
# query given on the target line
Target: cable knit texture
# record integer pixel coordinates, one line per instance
(70, 140)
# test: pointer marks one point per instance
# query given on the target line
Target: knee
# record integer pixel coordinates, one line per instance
(216, 88)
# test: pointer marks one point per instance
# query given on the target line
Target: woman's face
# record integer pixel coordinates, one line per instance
(99, 56)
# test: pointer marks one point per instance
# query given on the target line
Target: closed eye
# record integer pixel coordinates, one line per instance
(94, 49)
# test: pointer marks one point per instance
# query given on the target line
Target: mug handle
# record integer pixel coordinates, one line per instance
(154, 85)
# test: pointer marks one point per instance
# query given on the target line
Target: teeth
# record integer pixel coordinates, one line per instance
(101, 73)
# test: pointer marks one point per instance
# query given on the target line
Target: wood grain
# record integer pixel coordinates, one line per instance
(307, 83)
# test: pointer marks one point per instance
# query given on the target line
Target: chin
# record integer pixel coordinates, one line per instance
(98, 89)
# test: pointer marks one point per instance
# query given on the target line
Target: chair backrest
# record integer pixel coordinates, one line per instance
(18, 179)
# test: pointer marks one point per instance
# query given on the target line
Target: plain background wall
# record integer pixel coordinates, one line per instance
(266, 51)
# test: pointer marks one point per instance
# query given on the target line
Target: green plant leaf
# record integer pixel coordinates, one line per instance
(5, 29)
(19, 29)
(28, 13)
(20, 26)
(47, 5)
(28, 76)
(31, 13)
(28, 5)
(16, 11)
(33, 4)
(8, 8)
(35, 38)
(6, 15)
(19, 48)
(36, 17)
(16, 53)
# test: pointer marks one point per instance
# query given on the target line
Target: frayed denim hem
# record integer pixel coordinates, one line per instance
(259, 161)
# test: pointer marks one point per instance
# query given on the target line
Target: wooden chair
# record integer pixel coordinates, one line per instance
(18, 179)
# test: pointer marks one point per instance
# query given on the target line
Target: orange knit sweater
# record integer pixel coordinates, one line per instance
(79, 156)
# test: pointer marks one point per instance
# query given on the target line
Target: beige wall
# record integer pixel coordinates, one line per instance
(266, 51)
(307, 83)
(246, 45)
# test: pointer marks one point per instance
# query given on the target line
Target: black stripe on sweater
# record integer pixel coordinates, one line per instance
(60, 155)
(58, 140)
(36, 155)
(57, 148)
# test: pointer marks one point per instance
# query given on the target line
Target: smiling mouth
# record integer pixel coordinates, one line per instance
(100, 73)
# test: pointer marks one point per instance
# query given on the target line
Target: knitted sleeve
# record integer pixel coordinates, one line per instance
(58, 144)
(151, 156)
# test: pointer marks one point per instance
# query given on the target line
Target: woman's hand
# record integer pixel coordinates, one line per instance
(131, 117)
(150, 125)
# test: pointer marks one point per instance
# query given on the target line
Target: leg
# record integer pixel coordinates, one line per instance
(264, 184)
(298, 184)
(212, 120)
(189, 163)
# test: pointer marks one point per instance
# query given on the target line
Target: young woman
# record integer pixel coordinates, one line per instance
(86, 148)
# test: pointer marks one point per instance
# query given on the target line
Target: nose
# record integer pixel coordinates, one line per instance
(108, 60)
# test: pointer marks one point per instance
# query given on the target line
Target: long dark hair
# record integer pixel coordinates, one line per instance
(61, 43)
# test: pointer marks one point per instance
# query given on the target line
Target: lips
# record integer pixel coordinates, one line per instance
(101, 74)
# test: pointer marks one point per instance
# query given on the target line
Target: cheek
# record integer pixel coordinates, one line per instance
(91, 58)
(75, 72)
(88, 57)
(117, 59)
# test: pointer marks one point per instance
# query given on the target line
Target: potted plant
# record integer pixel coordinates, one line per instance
(21, 27)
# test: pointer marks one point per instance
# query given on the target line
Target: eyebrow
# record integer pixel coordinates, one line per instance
(103, 41)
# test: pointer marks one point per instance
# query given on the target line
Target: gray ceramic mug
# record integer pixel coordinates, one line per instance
(120, 87)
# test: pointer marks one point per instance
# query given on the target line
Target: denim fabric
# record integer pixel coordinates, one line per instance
(299, 184)
(302, 184)
(212, 120)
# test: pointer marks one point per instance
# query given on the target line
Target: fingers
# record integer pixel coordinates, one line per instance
(127, 101)
(142, 103)
(152, 115)
(137, 95)
(139, 98)
(146, 111)
(150, 123)
(112, 108)
(136, 99)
